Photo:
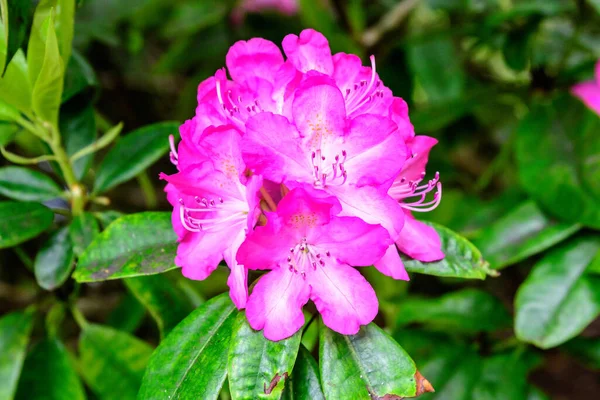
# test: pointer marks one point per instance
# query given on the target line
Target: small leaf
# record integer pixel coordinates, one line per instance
(78, 130)
(27, 185)
(523, 232)
(585, 349)
(54, 261)
(48, 374)
(79, 78)
(16, 29)
(468, 310)
(367, 365)
(112, 362)
(304, 381)
(15, 329)
(47, 89)
(134, 245)
(20, 222)
(83, 230)
(191, 363)
(257, 366)
(167, 304)
(557, 286)
(462, 259)
(15, 86)
(133, 154)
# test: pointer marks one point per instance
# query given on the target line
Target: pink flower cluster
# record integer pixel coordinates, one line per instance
(306, 167)
(589, 92)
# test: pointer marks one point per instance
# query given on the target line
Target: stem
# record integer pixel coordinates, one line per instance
(310, 321)
(25, 259)
(267, 197)
(147, 189)
(389, 22)
(78, 316)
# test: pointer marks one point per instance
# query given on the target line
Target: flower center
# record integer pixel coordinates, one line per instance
(305, 257)
(361, 93)
(212, 215)
(329, 171)
(234, 108)
(416, 193)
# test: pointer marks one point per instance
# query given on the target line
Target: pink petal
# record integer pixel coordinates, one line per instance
(351, 240)
(305, 208)
(271, 147)
(371, 205)
(399, 114)
(252, 58)
(597, 72)
(319, 111)
(375, 150)
(418, 156)
(199, 254)
(343, 297)
(173, 197)
(348, 70)
(238, 275)
(589, 93)
(276, 302)
(419, 241)
(309, 52)
(222, 145)
(391, 264)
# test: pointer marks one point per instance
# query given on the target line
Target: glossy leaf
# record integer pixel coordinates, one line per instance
(79, 77)
(304, 381)
(523, 232)
(15, 329)
(557, 147)
(133, 154)
(25, 184)
(8, 112)
(496, 371)
(191, 363)
(366, 365)
(18, 13)
(47, 89)
(258, 367)
(134, 245)
(15, 86)
(468, 310)
(78, 130)
(462, 259)
(49, 374)
(167, 304)
(557, 286)
(20, 222)
(112, 362)
(83, 230)
(54, 261)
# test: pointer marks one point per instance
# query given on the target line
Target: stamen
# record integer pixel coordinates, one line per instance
(173, 154)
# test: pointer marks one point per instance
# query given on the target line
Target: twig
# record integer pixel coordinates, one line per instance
(389, 21)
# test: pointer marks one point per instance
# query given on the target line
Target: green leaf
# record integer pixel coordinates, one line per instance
(112, 362)
(15, 86)
(83, 230)
(367, 365)
(48, 374)
(134, 245)
(20, 222)
(191, 363)
(191, 17)
(167, 304)
(65, 24)
(47, 89)
(462, 259)
(536, 394)
(108, 217)
(496, 371)
(15, 329)
(556, 286)
(436, 67)
(468, 310)
(304, 382)
(595, 4)
(557, 151)
(54, 261)
(79, 77)
(8, 112)
(78, 130)
(521, 233)
(27, 185)
(258, 367)
(7, 133)
(127, 315)
(18, 15)
(585, 349)
(133, 154)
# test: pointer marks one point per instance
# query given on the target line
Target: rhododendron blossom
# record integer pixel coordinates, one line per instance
(589, 92)
(335, 158)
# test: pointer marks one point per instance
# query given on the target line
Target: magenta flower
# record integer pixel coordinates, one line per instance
(589, 92)
(309, 250)
(214, 207)
(285, 7)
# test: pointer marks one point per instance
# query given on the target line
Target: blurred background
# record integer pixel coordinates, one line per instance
(473, 72)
